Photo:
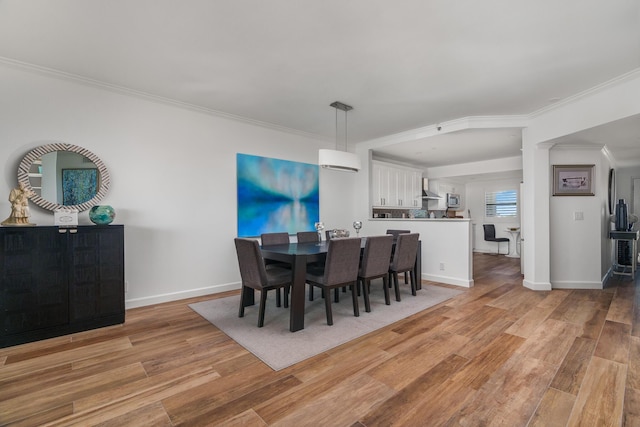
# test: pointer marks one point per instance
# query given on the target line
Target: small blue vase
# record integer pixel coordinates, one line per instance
(102, 214)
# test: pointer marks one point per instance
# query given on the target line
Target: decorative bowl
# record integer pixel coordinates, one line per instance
(102, 214)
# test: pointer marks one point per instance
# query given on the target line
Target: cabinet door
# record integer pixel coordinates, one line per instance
(34, 289)
(414, 189)
(96, 272)
(381, 185)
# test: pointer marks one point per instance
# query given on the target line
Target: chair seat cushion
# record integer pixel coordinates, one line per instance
(277, 276)
(315, 273)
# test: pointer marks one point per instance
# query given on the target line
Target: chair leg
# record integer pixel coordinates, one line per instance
(385, 287)
(241, 310)
(413, 283)
(327, 307)
(395, 285)
(263, 304)
(310, 293)
(406, 278)
(286, 297)
(278, 298)
(365, 293)
(336, 295)
(354, 297)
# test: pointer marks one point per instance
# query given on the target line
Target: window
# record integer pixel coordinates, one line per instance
(501, 204)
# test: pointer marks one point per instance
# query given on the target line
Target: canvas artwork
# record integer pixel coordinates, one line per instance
(78, 185)
(276, 195)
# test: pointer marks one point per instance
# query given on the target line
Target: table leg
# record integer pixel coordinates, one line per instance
(296, 316)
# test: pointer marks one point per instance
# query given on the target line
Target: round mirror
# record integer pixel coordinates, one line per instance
(64, 176)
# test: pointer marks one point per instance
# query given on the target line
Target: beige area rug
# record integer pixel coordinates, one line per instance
(279, 348)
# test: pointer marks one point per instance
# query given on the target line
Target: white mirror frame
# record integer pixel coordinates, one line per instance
(38, 152)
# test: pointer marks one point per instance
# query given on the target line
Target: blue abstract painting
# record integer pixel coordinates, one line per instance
(276, 195)
(78, 185)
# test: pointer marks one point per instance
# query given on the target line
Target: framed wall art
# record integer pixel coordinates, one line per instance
(276, 195)
(573, 180)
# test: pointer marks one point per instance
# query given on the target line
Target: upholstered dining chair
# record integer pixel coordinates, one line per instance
(340, 269)
(255, 275)
(490, 236)
(278, 238)
(404, 259)
(395, 234)
(375, 264)
(307, 236)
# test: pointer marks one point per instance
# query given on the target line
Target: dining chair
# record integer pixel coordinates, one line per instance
(404, 259)
(307, 236)
(255, 275)
(278, 238)
(375, 264)
(395, 234)
(490, 236)
(340, 269)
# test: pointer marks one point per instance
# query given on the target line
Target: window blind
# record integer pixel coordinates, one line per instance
(501, 203)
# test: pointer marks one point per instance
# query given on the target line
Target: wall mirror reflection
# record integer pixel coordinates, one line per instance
(64, 176)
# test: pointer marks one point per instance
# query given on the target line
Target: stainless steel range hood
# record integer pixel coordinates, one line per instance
(426, 194)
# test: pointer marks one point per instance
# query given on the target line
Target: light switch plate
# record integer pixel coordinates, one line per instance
(578, 216)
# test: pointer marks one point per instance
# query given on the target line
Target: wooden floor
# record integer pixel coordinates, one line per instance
(498, 354)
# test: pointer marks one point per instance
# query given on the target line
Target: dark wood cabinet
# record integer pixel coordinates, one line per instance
(56, 281)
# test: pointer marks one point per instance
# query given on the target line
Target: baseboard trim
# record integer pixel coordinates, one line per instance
(174, 296)
(448, 280)
(576, 285)
(537, 286)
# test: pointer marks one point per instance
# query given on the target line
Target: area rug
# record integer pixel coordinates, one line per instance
(279, 348)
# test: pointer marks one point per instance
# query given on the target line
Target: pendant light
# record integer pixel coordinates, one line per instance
(337, 159)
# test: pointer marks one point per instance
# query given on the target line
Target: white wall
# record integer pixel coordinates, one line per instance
(173, 173)
(580, 249)
(606, 103)
(475, 192)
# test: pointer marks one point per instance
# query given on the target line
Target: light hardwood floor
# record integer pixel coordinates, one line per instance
(498, 354)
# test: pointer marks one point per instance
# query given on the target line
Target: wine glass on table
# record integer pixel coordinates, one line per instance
(319, 227)
(357, 225)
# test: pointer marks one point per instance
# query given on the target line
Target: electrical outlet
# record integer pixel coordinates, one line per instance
(126, 286)
(442, 266)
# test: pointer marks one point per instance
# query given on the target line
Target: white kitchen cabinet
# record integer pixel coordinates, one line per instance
(442, 188)
(395, 186)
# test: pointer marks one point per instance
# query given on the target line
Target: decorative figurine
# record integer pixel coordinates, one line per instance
(19, 199)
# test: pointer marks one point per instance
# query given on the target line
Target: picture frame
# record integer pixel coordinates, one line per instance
(573, 180)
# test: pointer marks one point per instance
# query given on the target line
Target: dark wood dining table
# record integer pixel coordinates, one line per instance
(299, 255)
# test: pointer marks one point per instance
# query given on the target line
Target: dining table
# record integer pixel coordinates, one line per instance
(299, 255)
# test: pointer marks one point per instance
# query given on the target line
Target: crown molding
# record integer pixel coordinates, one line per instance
(631, 75)
(63, 75)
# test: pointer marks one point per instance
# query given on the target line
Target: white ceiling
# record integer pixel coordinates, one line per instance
(401, 65)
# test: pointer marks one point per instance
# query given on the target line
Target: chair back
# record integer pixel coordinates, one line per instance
(404, 256)
(251, 263)
(343, 260)
(377, 253)
(307, 236)
(274, 238)
(489, 231)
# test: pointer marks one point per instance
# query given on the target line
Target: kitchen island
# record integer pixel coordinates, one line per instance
(447, 252)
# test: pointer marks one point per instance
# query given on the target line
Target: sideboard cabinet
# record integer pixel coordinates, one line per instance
(57, 281)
